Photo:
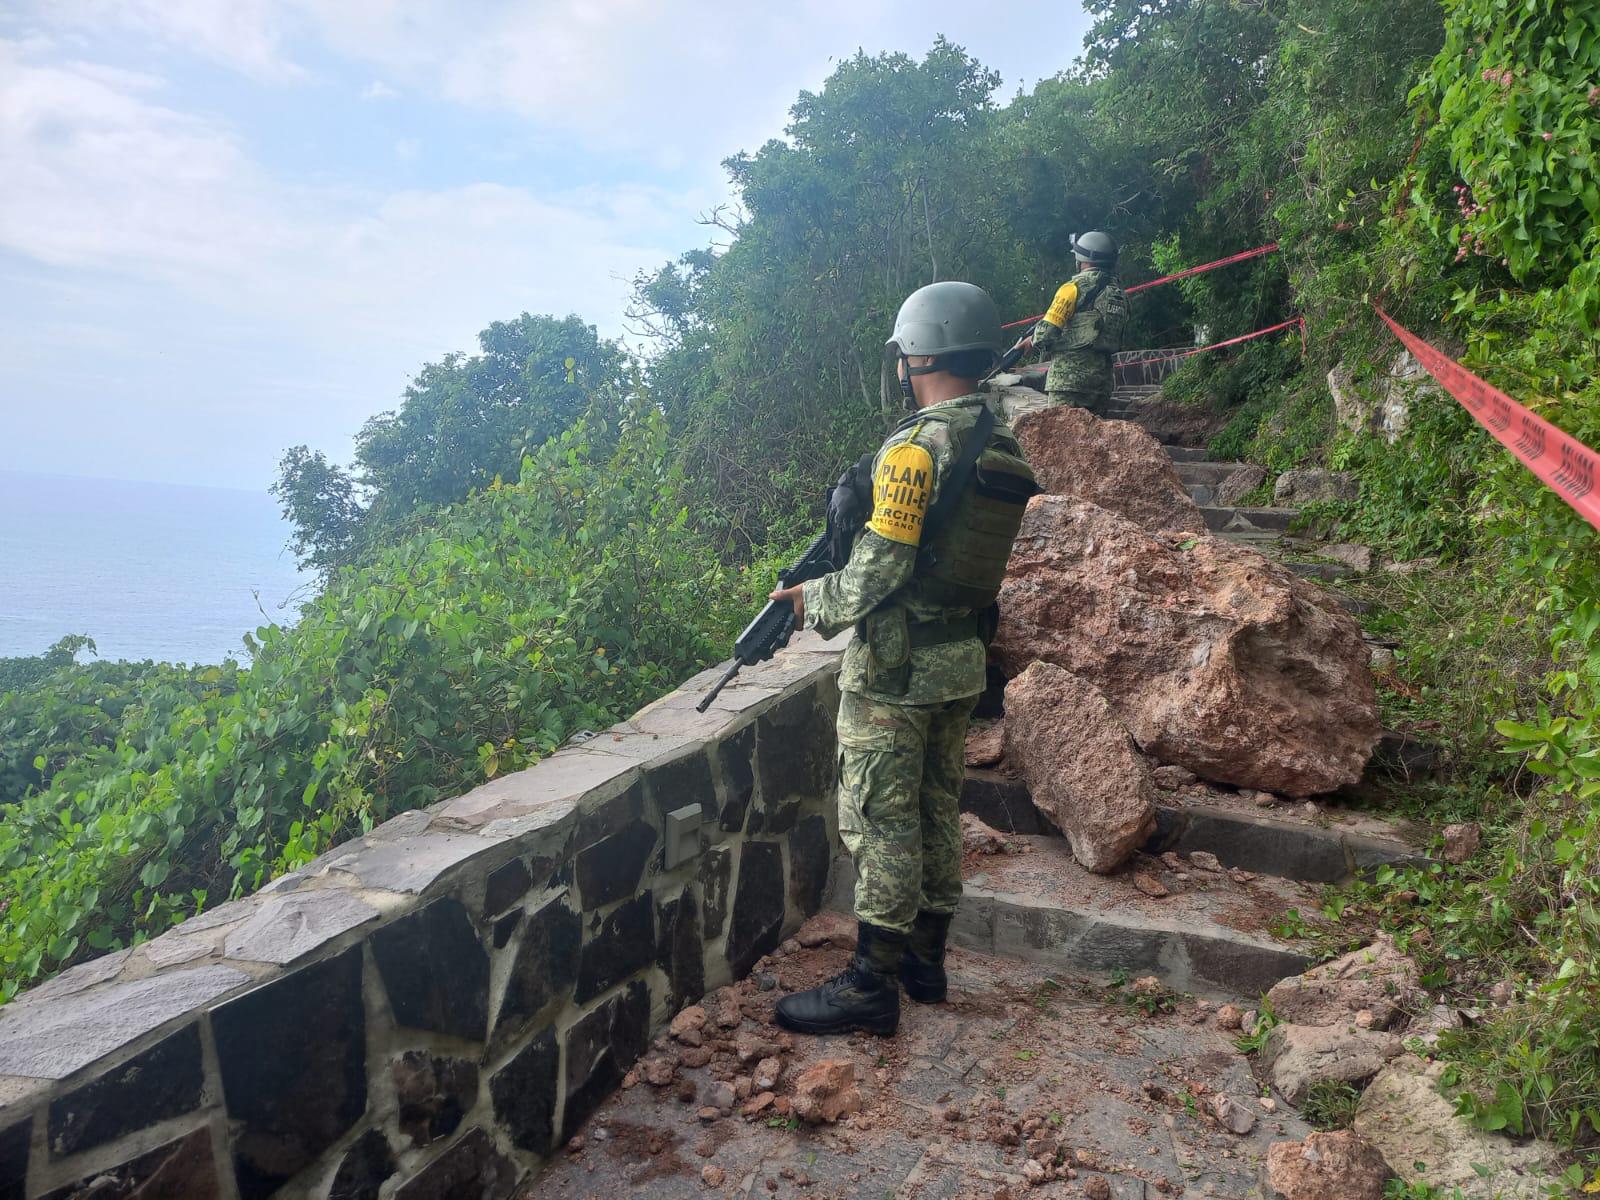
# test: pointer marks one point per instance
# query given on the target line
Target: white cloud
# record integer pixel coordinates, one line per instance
(378, 90)
(248, 35)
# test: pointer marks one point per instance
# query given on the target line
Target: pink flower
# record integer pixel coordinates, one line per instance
(1548, 136)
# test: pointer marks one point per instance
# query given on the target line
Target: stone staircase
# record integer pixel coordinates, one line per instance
(1263, 527)
(1234, 906)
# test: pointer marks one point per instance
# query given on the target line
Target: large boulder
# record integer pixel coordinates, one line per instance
(1415, 1126)
(1114, 464)
(1081, 767)
(1375, 979)
(1213, 657)
(1296, 1057)
(1326, 1166)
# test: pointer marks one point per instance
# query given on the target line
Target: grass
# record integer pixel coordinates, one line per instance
(1330, 1104)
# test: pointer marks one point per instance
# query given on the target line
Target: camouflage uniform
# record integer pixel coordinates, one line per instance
(1084, 339)
(902, 735)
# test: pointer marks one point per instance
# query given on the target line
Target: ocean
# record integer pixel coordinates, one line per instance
(148, 570)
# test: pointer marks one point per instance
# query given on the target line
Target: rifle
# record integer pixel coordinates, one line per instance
(774, 624)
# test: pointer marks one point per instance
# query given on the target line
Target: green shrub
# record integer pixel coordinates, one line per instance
(469, 648)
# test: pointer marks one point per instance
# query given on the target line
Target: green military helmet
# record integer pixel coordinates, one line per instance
(943, 318)
(1095, 248)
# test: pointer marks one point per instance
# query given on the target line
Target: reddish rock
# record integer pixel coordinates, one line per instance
(1149, 885)
(986, 744)
(827, 1091)
(1114, 464)
(1214, 658)
(689, 1024)
(1461, 842)
(1377, 979)
(1082, 768)
(978, 838)
(1326, 1166)
(712, 1175)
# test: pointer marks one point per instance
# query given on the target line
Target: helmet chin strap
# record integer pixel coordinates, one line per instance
(907, 392)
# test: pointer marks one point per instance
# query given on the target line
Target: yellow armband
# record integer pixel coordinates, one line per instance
(901, 490)
(1063, 306)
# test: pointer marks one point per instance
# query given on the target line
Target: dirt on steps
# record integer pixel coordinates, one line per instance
(1025, 1083)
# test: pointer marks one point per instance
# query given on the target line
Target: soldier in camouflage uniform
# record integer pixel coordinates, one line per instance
(1084, 327)
(917, 579)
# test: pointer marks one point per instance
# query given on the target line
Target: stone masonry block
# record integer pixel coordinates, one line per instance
(736, 759)
(182, 1167)
(472, 1168)
(15, 1143)
(435, 970)
(154, 1085)
(611, 816)
(795, 756)
(433, 1093)
(600, 1049)
(545, 966)
(810, 855)
(293, 1056)
(505, 886)
(525, 1094)
(680, 782)
(624, 944)
(364, 1168)
(716, 874)
(758, 906)
(612, 867)
(680, 950)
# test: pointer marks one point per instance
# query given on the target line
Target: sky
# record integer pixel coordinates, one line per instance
(231, 226)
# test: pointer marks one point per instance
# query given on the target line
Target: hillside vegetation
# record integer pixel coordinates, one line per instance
(545, 533)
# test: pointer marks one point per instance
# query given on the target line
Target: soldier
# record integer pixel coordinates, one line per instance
(948, 490)
(1084, 327)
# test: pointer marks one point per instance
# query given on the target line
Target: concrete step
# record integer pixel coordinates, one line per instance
(1201, 493)
(1186, 454)
(1229, 518)
(1040, 906)
(1268, 541)
(1206, 472)
(1338, 846)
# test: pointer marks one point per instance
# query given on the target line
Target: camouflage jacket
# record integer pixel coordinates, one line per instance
(1064, 311)
(884, 560)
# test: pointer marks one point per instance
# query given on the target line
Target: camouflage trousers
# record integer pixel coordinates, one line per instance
(1083, 378)
(900, 772)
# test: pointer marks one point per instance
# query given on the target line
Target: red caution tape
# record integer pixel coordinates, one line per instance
(1566, 465)
(1291, 322)
(1269, 248)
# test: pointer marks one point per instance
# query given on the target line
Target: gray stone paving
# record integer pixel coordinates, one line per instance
(1123, 1090)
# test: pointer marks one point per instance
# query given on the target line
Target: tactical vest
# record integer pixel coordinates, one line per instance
(962, 562)
(1101, 315)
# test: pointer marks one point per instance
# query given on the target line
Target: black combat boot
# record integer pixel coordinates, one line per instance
(865, 996)
(922, 965)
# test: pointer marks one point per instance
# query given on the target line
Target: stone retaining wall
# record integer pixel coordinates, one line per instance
(425, 1012)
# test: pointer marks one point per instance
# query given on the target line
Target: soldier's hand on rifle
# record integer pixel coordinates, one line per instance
(796, 596)
(1025, 344)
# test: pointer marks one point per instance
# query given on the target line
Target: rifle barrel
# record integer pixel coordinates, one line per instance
(727, 678)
